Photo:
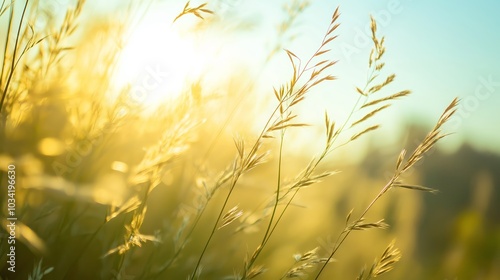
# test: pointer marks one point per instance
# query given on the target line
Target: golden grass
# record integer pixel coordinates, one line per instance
(97, 194)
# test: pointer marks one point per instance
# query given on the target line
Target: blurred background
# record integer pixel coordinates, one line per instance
(116, 86)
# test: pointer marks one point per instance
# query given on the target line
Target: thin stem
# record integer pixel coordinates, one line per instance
(6, 46)
(325, 152)
(11, 73)
(347, 231)
(269, 228)
(221, 212)
(87, 245)
(233, 184)
(278, 188)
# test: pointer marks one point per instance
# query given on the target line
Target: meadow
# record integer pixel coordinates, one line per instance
(191, 172)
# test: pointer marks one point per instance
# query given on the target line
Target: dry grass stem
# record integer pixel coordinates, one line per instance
(362, 225)
(383, 265)
(197, 11)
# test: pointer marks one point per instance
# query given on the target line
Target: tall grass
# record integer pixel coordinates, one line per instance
(107, 192)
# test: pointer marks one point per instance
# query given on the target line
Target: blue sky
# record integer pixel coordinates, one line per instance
(439, 50)
(444, 49)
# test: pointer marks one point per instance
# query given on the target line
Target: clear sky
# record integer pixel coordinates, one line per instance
(443, 49)
(439, 50)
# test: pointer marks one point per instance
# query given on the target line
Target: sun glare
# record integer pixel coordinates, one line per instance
(158, 62)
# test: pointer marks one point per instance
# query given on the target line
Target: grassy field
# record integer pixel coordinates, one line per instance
(196, 174)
